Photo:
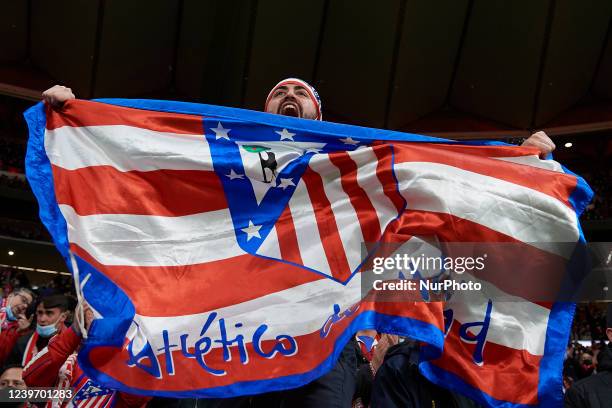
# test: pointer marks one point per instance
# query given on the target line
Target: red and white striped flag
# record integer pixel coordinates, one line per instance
(222, 250)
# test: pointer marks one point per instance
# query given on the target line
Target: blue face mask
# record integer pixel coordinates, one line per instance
(9, 314)
(46, 331)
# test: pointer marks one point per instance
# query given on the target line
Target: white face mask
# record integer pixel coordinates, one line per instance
(10, 315)
(48, 330)
(9, 312)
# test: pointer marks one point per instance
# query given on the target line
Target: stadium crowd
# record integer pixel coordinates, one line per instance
(40, 331)
(600, 181)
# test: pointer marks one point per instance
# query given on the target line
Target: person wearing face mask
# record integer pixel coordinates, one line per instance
(13, 306)
(16, 322)
(51, 313)
(57, 366)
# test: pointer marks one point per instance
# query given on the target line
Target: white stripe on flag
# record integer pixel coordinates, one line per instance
(515, 322)
(343, 211)
(145, 240)
(534, 161)
(270, 245)
(89, 402)
(309, 240)
(98, 402)
(367, 178)
(126, 148)
(520, 212)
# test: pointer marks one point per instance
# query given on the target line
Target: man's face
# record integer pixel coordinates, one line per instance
(11, 378)
(586, 359)
(46, 316)
(19, 302)
(292, 100)
(609, 333)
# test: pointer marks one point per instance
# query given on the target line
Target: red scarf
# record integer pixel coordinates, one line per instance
(31, 349)
(3, 320)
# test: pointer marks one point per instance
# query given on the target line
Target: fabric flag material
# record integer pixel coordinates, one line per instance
(222, 249)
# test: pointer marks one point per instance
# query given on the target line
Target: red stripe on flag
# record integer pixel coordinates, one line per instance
(200, 287)
(507, 374)
(446, 227)
(384, 172)
(366, 213)
(475, 150)
(77, 113)
(287, 238)
(326, 223)
(554, 184)
(106, 190)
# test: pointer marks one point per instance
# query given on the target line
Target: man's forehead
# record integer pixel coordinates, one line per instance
(11, 372)
(286, 87)
(22, 293)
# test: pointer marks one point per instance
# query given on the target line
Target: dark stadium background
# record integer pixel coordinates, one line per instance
(458, 69)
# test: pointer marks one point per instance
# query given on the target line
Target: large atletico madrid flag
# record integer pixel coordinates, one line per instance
(222, 249)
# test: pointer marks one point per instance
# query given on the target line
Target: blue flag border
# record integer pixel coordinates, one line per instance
(104, 331)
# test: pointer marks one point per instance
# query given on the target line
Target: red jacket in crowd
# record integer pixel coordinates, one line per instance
(8, 339)
(57, 366)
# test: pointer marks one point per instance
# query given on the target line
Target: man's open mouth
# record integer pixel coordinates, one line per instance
(290, 108)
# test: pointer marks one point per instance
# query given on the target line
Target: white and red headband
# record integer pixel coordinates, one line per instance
(311, 91)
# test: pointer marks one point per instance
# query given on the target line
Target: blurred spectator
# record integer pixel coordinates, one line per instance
(589, 322)
(586, 364)
(11, 378)
(51, 313)
(13, 306)
(600, 181)
(595, 391)
(57, 366)
(19, 312)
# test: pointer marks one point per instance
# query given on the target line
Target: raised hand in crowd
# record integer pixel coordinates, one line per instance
(386, 341)
(542, 142)
(57, 95)
(88, 317)
(23, 322)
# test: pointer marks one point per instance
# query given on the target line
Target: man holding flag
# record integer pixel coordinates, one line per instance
(284, 178)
